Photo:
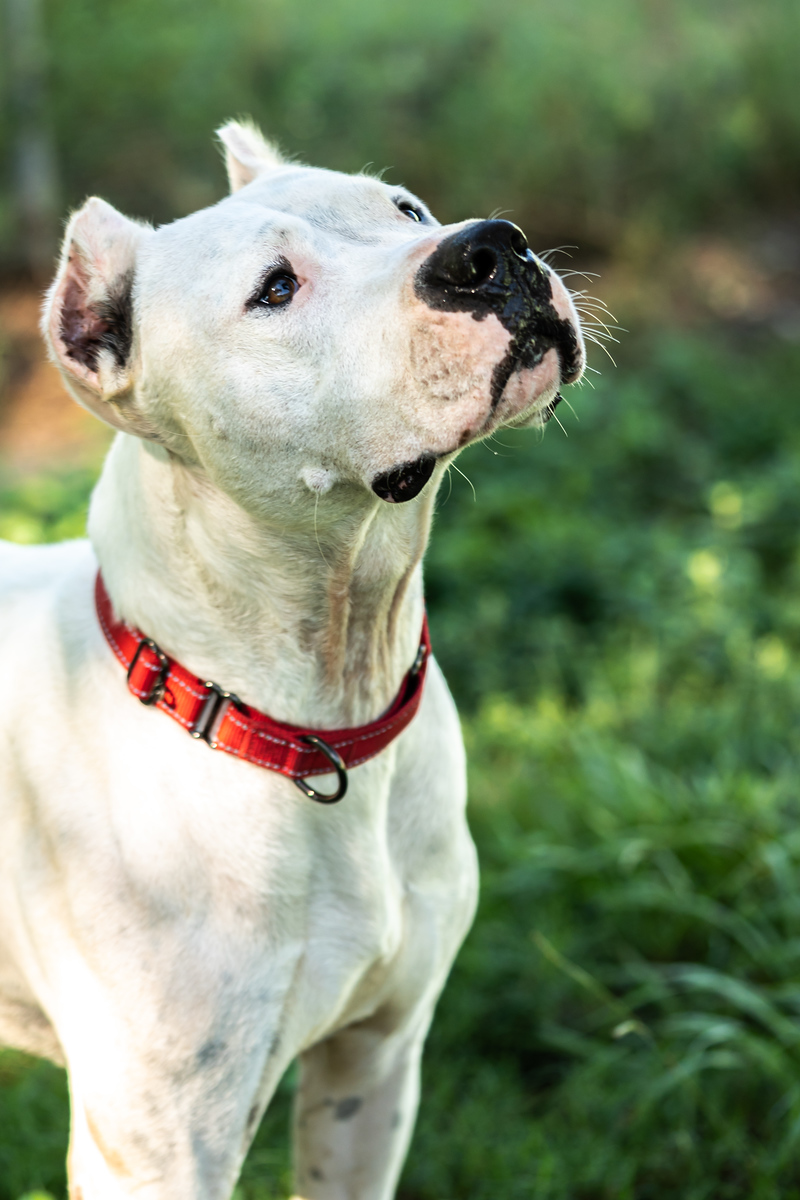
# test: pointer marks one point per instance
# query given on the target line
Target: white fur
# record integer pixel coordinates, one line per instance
(177, 925)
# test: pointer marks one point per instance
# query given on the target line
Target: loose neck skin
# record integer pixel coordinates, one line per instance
(315, 621)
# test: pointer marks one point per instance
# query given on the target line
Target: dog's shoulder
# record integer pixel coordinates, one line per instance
(29, 570)
(46, 612)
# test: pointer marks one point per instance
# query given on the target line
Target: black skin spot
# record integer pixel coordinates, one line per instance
(347, 1108)
(404, 482)
(488, 268)
(87, 329)
(315, 1173)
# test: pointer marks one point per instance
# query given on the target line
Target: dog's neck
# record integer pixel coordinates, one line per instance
(314, 623)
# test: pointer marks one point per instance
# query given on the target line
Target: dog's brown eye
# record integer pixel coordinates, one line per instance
(278, 290)
(409, 210)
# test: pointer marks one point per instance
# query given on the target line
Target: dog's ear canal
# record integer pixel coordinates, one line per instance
(88, 313)
(248, 154)
(86, 329)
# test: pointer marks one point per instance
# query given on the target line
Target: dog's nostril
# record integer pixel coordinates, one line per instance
(476, 257)
(482, 266)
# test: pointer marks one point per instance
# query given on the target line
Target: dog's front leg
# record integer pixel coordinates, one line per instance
(156, 1125)
(355, 1110)
(178, 1155)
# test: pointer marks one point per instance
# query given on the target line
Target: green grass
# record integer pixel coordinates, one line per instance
(619, 614)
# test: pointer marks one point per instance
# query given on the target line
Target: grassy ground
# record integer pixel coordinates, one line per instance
(619, 615)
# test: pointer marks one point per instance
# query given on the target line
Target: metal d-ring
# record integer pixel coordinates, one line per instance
(336, 761)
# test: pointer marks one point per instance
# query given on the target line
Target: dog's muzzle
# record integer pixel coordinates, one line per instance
(487, 268)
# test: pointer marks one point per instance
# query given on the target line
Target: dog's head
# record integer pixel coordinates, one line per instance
(311, 331)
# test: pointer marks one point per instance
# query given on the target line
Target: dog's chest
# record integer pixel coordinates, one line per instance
(205, 902)
(299, 920)
(358, 928)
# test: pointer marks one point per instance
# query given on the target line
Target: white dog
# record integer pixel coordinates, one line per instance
(178, 923)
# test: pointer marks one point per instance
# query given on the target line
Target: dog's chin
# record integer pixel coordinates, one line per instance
(529, 398)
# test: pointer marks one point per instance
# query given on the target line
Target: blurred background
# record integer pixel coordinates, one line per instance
(616, 604)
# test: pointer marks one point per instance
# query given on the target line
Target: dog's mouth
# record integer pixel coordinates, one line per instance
(406, 481)
(549, 409)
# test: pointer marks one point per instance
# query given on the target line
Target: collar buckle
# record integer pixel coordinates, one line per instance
(158, 686)
(208, 713)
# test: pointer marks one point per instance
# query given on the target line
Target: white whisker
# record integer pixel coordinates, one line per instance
(598, 337)
(544, 255)
(603, 348)
(554, 415)
(449, 483)
(597, 314)
(571, 409)
(469, 481)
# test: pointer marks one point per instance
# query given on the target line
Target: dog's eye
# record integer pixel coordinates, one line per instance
(409, 210)
(278, 289)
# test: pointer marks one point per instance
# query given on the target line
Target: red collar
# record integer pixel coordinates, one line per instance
(207, 711)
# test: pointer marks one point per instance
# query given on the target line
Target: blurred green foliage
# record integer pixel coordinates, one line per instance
(618, 613)
(45, 508)
(606, 123)
(33, 1127)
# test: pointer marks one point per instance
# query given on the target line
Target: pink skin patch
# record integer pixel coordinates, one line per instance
(453, 358)
(531, 389)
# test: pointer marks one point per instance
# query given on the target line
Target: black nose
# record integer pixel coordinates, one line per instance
(473, 257)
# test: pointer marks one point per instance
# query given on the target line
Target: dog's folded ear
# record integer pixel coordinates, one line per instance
(88, 313)
(247, 153)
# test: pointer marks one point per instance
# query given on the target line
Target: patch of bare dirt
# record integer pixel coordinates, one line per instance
(41, 426)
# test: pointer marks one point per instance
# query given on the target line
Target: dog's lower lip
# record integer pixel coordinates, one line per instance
(549, 409)
(405, 481)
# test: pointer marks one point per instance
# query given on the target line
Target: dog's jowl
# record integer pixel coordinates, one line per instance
(231, 776)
